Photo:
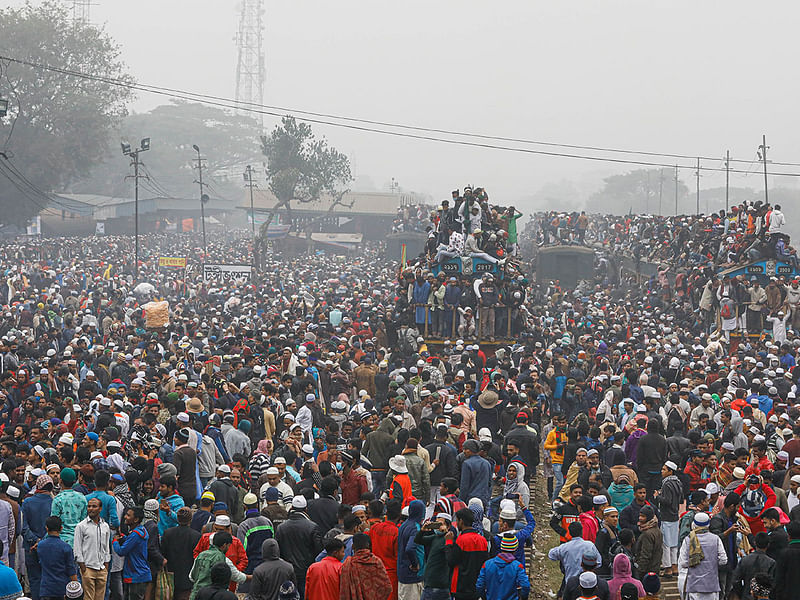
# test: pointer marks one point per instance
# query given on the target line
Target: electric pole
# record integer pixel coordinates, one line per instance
(203, 197)
(134, 154)
(660, 188)
(697, 176)
(248, 177)
(676, 190)
(727, 177)
(762, 153)
(647, 197)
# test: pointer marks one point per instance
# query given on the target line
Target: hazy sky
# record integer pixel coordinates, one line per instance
(683, 77)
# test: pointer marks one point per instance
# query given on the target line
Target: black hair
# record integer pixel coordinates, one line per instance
(393, 509)
(350, 522)
(333, 545)
(53, 523)
(575, 529)
(466, 516)
(361, 541)
(221, 538)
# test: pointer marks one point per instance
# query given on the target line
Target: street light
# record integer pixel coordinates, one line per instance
(203, 197)
(144, 146)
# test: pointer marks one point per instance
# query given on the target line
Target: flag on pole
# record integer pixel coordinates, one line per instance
(403, 257)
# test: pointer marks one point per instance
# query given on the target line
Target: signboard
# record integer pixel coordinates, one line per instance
(172, 261)
(35, 227)
(225, 273)
(466, 266)
(100, 228)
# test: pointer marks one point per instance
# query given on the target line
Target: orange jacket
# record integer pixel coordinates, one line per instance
(401, 489)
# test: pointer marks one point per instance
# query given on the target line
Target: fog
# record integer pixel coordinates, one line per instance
(679, 77)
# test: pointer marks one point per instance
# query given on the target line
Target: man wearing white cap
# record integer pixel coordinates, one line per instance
(285, 493)
(300, 540)
(793, 497)
(699, 559)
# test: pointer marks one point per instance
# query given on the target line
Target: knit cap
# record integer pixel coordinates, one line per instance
(509, 543)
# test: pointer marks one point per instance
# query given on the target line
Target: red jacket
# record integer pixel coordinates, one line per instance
(235, 552)
(695, 474)
(384, 545)
(322, 579)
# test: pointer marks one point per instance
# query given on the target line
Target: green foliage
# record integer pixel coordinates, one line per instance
(228, 142)
(301, 167)
(58, 125)
(638, 192)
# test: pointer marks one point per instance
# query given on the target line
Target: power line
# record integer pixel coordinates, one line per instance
(281, 111)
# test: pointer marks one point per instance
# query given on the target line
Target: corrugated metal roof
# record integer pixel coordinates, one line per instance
(354, 203)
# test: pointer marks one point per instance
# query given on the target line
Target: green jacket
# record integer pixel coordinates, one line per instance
(437, 571)
(200, 574)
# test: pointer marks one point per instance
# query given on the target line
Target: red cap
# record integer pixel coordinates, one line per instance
(522, 415)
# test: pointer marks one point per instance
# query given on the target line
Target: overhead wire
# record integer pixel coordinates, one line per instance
(324, 119)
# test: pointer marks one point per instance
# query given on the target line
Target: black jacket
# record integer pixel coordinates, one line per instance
(651, 453)
(755, 562)
(603, 542)
(778, 541)
(174, 545)
(787, 575)
(528, 443)
(213, 592)
(271, 573)
(447, 462)
(300, 540)
(225, 491)
(324, 512)
(572, 589)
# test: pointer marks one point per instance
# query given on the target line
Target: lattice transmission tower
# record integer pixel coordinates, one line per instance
(250, 71)
(80, 11)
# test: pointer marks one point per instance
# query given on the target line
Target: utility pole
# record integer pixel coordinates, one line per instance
(762, 153)
(248, 177)
(727, 177)
(203, 197)
(697, 176)
(134, 154)
(647, 197)
(660, 188)
(676, 190)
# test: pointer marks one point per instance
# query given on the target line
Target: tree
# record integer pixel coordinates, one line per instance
(226, 141)
(302, 168)
(638, 192)
(58, 124)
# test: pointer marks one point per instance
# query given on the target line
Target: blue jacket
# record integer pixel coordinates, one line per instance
(503, 578)
(169, 519)
(35, 510)
(58, 565)
(523, 535)
(134, 548)
(476, 479)
(409, 553)
(109, 511)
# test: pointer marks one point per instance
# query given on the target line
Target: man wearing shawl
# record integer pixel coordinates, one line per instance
(363, 576)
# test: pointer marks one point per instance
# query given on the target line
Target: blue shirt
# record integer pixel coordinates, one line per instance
(109, 510)
(35, 510)
(570, 554)
(58, 565)
(9, 583)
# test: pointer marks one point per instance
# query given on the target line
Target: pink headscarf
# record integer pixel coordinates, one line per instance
(263, 447)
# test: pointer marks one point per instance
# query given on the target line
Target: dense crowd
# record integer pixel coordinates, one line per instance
(456, 303)
(297, 436)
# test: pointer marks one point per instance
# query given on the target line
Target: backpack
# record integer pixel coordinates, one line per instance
(725, 310)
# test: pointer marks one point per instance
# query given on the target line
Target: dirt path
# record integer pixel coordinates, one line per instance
(545, 575)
